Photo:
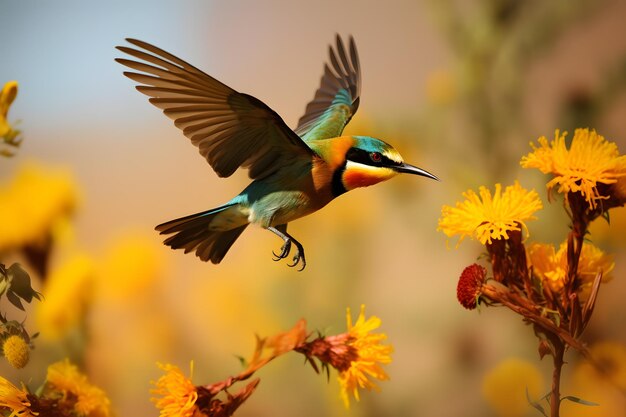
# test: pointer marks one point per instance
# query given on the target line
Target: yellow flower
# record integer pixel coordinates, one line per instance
(505, 386)
(15, 399)
(35, 205)
(610, 234)
(7, 95)
(370, 354)
(612, 358)
(130, 265)
(604, 388)
(67, 296)
(591, 160)
(551, 265)
(16, 351)
(485, 217)
(177, 393)
(90, 401)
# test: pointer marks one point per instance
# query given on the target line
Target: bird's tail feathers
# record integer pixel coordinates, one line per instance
(192, 232)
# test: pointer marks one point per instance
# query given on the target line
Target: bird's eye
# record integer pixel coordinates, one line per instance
(376, 156)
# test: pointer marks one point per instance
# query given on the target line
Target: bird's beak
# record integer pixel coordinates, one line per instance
(411, 169)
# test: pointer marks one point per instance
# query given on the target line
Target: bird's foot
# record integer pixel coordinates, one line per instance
(298, 257)
(284, 251)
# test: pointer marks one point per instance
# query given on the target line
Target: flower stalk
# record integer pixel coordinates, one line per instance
(557, 359)
(357, 355)
(554, 291)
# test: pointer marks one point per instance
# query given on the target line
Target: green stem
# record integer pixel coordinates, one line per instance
(555, 396)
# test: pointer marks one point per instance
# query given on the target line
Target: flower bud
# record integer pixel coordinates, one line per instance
(470, 285)
(16, 351)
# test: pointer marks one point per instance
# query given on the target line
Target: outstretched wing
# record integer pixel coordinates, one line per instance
(337, 98)
(230, 129)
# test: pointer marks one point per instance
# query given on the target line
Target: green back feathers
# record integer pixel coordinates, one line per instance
(337, 98)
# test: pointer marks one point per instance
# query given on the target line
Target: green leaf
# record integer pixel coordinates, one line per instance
(579, 401)
(15, 300)
(534, 404)
(40, 390)
(242, 361)
(4, 284)
(6, 153)
(20, 283)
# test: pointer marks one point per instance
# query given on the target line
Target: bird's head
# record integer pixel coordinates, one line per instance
(370, 161)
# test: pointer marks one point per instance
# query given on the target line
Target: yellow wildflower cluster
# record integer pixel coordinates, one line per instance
(67, 392)
(551, 265)
(506, 386)
(35, 205)
(90, 400)
(604, 384)
(590, 161)
(130, 265)
(554, 290)
(357, 355)
(68, 292)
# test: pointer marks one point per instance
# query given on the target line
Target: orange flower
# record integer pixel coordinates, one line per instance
(177, 393)
(15, 399)
(371, 353)
(551, 265)
(591, 160)
(488, 217)
(90, 401)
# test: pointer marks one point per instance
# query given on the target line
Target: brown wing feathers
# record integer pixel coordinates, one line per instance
(230, 129)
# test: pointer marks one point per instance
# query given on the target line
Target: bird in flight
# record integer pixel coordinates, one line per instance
(294, 172)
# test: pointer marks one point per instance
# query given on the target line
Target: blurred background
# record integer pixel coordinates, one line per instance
(460, 88)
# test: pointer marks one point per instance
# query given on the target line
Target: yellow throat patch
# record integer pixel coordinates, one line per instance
(361, 175)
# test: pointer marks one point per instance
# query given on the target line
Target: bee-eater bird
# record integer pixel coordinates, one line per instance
(294, 172)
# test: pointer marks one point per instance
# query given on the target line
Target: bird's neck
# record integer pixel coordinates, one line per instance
(333, 150)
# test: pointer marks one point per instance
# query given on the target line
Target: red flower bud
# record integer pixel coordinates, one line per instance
(470, 285)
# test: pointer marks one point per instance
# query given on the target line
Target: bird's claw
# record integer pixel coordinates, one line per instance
(284, 251)
(299, 256)
(281, 231)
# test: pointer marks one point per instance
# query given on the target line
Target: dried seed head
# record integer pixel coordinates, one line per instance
(470, 285)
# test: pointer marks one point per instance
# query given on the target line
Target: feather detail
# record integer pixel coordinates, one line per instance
(333, 151)
(232, 130)
(337, 98)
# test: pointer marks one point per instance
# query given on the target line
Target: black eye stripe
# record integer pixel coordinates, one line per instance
(364, 157)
